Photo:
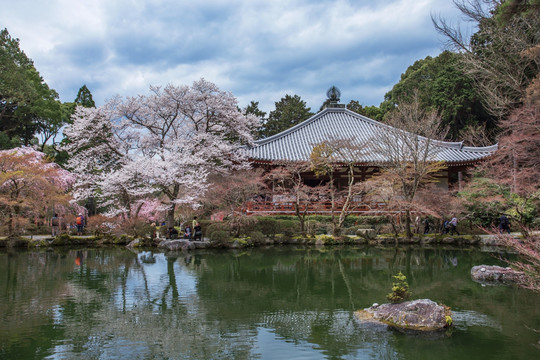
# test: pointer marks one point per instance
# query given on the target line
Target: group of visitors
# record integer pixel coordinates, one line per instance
(193, 232)
(447, 226)
(59, 225)
(450, 226)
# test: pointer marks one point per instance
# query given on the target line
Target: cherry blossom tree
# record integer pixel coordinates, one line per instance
(160, 145)
(231, 193)
(288, 180)
(29, 185)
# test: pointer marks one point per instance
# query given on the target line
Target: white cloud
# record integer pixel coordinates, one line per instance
(258, 50)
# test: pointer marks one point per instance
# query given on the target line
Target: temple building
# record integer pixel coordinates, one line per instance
(336, 122)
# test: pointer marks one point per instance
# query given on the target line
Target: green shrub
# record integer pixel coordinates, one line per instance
(242, 225)
(317, 228)
(215, 226)
(535, 224)
(320, 218)
(267, 225)
(400, 289)
(257, 237)
(372, 220)
(220, 236)
(62, 239)
(288, 228)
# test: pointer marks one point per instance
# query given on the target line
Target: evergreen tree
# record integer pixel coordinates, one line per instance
(28, 107)
(84, 98)
(253, 109)
(442, 86)
(372, 112)
(289, 111)
(497, 57)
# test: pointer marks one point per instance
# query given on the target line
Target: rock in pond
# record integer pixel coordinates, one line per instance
(496, 275)
(175, 245)
(416, 315)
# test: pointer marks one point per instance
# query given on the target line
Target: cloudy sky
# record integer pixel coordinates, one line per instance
(258, 50)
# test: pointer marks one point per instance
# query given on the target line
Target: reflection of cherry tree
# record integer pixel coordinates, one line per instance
(164, 144)
(29, 185)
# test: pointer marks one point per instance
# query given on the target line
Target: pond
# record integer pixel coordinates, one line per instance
(279, 303)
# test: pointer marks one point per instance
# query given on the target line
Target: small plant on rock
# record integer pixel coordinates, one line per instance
(400, 289)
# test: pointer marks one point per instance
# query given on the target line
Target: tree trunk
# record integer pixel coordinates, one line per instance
(170, 215)
(301, 217)
(335, 228)
(408, 224)
(10, 224)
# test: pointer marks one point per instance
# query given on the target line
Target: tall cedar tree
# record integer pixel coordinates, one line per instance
(289, 111)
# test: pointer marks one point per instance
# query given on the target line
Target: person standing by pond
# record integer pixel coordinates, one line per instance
(453, 226)
(426, 225)
(187, 232)
(504, 224)
(80, 221)
(55, 225)
(197, 232)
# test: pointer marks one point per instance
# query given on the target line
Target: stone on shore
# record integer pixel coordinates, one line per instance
(175, 245)
(496, 275)
(417, 315)
(135, 243)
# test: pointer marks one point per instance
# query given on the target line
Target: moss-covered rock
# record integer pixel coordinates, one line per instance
(418, 315)
(62, 239)
(324, 239)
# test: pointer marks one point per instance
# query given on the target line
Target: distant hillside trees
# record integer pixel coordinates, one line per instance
(496, 57)
(441, 85)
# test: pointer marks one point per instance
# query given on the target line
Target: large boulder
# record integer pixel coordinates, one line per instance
(417, 315)
(496, 275)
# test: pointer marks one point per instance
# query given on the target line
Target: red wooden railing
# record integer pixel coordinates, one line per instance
(314, 208)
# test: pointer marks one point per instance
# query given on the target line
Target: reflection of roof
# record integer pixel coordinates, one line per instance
(296, 143)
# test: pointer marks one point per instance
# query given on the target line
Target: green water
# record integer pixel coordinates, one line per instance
(281, 303)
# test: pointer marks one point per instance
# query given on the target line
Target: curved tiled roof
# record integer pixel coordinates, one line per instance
(296, 143)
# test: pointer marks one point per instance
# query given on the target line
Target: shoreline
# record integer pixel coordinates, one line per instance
(47, 241)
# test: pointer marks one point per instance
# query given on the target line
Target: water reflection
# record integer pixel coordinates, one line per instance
(271, 304)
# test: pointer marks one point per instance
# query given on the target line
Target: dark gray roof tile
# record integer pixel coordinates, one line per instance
(296, 143)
